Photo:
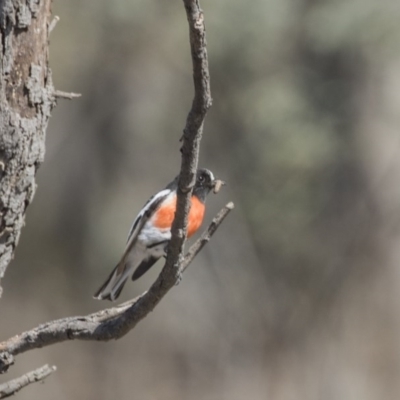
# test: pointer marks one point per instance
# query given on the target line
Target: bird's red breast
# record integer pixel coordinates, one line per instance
(166, 213)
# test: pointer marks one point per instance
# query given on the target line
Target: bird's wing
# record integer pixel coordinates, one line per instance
(144, 266)
(146, 213)
(149, 208)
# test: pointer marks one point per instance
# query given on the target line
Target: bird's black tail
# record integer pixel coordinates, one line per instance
(112, 287)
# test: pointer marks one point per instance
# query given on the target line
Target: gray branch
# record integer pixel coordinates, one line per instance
(192, 134)
(205, 237)
(115, 322)
(9, 388)
(104, 325)
(66, 95)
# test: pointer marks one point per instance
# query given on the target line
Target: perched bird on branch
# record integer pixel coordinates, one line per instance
(150, 233)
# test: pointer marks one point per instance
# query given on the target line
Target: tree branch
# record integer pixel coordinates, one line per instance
(9, 388)
(53, 23)
(115, 322)
(192, 134)
(206, 236)
(104, 325)
(66, 95)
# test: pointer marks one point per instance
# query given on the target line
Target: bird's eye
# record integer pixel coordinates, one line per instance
(201, 178)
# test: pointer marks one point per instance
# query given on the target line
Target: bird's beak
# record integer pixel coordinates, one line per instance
(216, 185)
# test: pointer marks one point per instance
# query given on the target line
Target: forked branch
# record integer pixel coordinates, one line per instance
(104, 325)
(115, 322)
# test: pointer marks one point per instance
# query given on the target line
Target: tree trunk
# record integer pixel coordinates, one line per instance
(26, 100)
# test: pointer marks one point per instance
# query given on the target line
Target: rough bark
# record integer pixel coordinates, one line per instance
(191, 138)
(26, 100)
(10, 388)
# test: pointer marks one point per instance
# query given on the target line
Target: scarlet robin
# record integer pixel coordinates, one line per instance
(150, 233)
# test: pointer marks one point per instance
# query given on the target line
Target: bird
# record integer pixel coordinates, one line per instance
(150, 232)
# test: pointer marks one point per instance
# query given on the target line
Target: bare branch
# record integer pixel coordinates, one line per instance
(9, 388)
(66, 95)
(115, 322)
(104, 325)
(53, 23)
(190, 140)
(206, 236)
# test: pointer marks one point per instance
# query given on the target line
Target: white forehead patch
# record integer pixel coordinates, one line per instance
(210, 174)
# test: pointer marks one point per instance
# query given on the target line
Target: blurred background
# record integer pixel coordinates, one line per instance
(297, 295)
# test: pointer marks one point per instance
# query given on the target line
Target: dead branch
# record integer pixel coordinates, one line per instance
(192, 134)
(206, 236)
(111, 323)
(9, 388)
(53, 23)
(66, 95)
(115, 322)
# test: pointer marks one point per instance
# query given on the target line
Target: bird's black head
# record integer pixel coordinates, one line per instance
(205, 182)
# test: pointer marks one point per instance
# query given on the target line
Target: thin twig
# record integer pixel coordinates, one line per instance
(53, 23)
(11, 387)
(66, 95)
(206, 236)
